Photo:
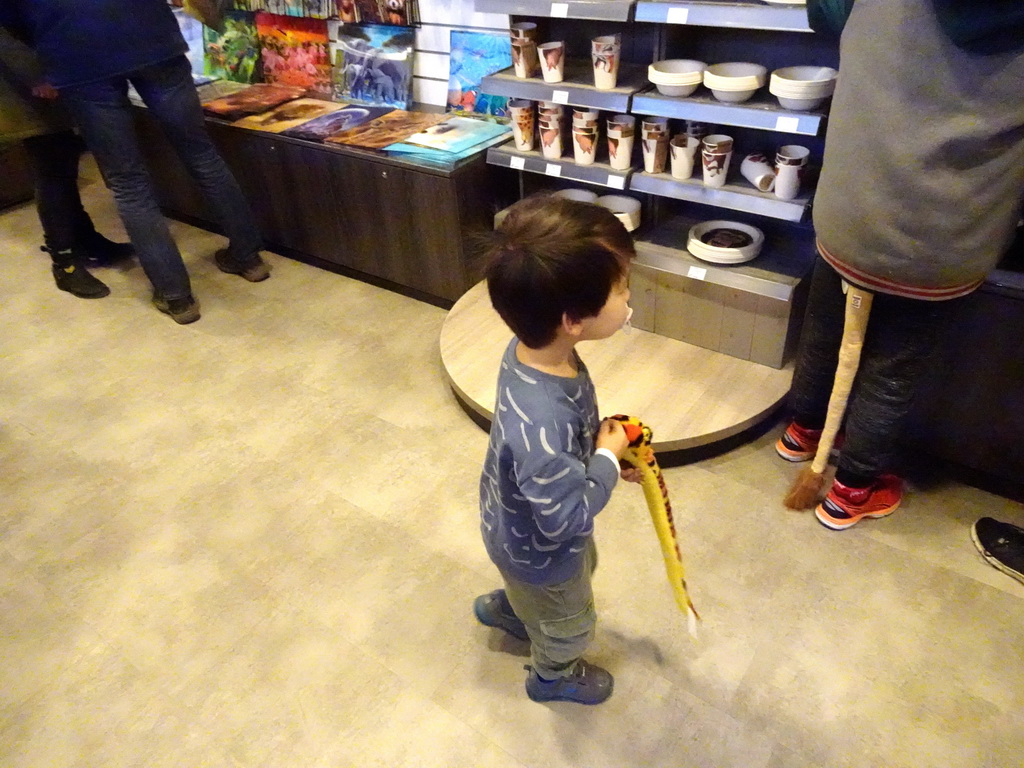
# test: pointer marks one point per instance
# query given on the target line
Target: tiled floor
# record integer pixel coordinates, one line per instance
(253, 542)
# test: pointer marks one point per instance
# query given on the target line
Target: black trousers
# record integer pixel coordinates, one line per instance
(902, 338)
(54, 159)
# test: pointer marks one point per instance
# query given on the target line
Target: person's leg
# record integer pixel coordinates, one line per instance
(560, 621)
(169, 92)
(54, 160)
(902, 338)
(103, 114)
(816, 364)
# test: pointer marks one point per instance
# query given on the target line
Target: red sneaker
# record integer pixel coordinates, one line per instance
(844, 506)
(799, 444)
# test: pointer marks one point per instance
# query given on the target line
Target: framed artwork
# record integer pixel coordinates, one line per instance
(233, 54)
(393, 127)
(289, 115)
(253, 100)
(474, 55)
(295, 51)
(394, 12)
(344, 119)
(373, 65)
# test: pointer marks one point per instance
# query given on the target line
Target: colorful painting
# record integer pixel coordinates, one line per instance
(474, 55)
(345, 119)
(457, 134)
(393, 127)
(218, 89)
(373, 65)
(393, 12)
(295, 52)
(233, 54)
(254, 100)
(314, 9)
(290, 115)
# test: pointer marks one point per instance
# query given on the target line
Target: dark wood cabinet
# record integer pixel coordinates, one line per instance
(15, 175)
(382, 218)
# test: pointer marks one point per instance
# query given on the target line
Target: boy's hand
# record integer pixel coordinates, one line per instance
(612, 436)
(45, 91)
(631, 474)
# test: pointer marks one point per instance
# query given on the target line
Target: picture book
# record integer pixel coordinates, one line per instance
(457, 134)
(295, 52)
(344, 119)
(233, 54)
(254, 100)
(474, 55)
(373, 65)
(289, 115)
(393, 127)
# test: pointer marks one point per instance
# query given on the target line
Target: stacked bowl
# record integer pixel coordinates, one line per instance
(801, 88)
(676, 77)
(626, 209)
(735, 81)
(725, 242)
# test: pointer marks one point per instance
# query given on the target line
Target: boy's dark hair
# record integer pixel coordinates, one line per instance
(552, 256)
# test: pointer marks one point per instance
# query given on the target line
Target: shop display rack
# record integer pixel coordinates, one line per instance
(577, 89)
(762, 112)
(737, 197)
(776, 272)
(735, 15)
(506, 155)
(596, 10)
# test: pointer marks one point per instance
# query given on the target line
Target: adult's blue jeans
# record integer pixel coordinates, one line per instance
(104, 115)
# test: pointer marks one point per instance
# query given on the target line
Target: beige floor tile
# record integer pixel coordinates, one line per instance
(254, 541)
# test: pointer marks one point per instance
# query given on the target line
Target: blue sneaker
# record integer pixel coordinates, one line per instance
(588, 684)
(493, 610)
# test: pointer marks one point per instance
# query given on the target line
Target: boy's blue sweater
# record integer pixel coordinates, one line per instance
(542, 485)
(81, 41)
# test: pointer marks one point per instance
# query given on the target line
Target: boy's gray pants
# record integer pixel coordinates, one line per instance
(559, 618)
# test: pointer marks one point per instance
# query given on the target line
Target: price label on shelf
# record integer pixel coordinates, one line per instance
(697, 273)
(517, 162)
(553, 170)
(790, 124)
(559, 10)
(619, 182)
(560, 97)
(678, 15)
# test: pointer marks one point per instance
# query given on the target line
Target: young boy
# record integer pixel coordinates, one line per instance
(557, 274)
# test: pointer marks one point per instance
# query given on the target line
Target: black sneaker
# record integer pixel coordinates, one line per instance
(493, 610)
(182, 311)
(1001, 544)
(98, 251)
(588, 684)
(254, 270)
(77, 281)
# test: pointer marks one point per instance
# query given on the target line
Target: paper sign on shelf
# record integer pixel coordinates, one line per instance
(560, 97)
(677, 15)
(559, 10)
(553, 170)
(790, 124)
(697, 273)
(517, 162)
(619, 182)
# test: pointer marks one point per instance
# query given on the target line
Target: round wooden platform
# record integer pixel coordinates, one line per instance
(688, 395)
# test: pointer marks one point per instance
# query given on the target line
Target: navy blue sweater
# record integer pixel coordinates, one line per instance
(81, 41)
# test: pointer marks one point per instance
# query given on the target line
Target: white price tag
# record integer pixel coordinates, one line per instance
(619, 182)
(518, 163)
(790, 124)
(560, 97)
(677, 15)
(697, 273)
(559, 10)
(553, 170)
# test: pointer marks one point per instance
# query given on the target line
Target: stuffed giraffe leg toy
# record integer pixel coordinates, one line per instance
(641, 455)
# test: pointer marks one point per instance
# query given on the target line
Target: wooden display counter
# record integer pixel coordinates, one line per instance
(397, 223)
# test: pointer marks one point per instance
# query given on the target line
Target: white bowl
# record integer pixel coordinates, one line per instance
(733, 97)
(735, 75)
(686, 70)
(804, 75)
(583, 195)
(626, 209)
(676, 90)
(721, 255)
(800, 105)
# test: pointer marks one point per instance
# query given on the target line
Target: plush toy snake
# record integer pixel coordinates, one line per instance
(641, 455)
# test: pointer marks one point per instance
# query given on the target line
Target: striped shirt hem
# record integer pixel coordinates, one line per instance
(881, 285)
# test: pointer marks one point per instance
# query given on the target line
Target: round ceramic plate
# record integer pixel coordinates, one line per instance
(724, 242)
